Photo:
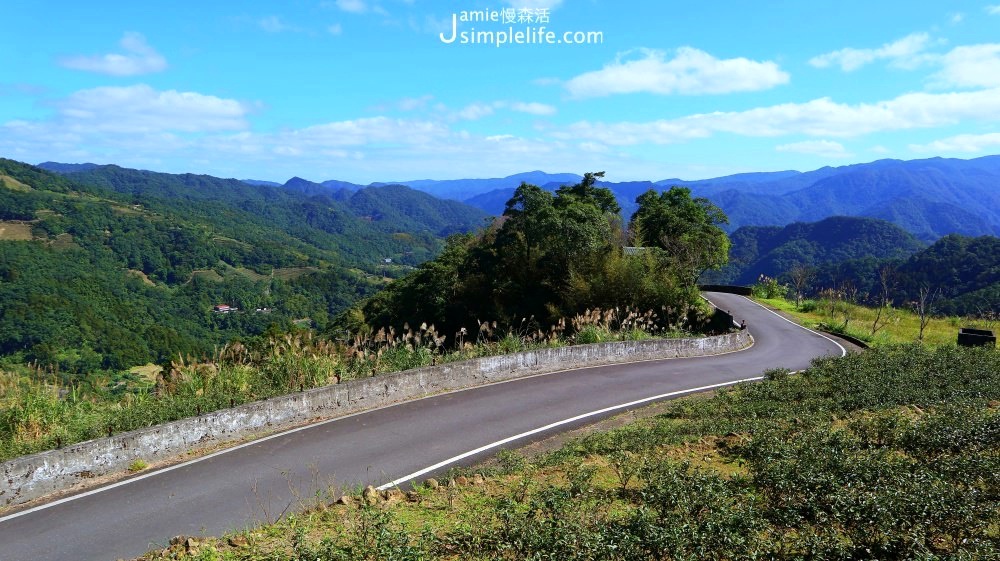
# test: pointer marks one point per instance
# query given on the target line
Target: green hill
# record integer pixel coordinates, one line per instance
(106, 267)
(773, 250)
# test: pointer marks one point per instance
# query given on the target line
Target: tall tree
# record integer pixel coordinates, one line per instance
(588, 191)
(686, 228)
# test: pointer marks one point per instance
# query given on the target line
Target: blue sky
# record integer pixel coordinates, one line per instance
(369, 90)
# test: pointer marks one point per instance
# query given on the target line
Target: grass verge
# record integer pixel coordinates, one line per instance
(895, 325)
(889, 454)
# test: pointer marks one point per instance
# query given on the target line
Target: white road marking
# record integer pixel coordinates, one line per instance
(414, 475)
(441, 464)
(843, 351)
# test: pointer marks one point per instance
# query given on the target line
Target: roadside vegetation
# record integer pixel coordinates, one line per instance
(40, 411)
(888, 454)
(553, 270)
(837, 311)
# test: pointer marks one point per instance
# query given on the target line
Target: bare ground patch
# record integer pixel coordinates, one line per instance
(15, 231)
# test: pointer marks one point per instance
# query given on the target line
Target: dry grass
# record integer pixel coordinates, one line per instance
(222, 240)
(64, 241)
(13, 184)
(206, 274)
(149, 372)
(290, 273)
(142, 276)
(15, 231)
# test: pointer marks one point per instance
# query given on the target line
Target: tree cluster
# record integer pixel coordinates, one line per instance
(553, 254)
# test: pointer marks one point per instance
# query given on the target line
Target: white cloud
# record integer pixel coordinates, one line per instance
(478, 110)
(274, 24)
(361, 132)
(335, 29)
(475, 111)
(140, 108)
(971, 66)
(352, 6)
(963, 143)
(820, 117)
(691, 71)
(904, 53)
(139, 58)
(822, 148)
(414, 103)
(534, 108)
(993, 10)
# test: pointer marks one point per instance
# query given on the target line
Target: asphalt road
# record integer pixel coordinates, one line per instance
(257, 482)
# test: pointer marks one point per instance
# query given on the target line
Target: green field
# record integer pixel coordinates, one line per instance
(901, 326)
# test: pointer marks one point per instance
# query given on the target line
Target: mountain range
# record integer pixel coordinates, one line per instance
(929, 198)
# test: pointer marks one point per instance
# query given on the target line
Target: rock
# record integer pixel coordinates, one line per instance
(370, 495)
(178, 540)
(461, 481)
(238, 541)
(478, 479)
(413, 496)
(191, 545)
(432, 483)
(393, 495)
(346, 500)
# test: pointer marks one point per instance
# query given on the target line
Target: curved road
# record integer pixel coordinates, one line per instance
(256, 482)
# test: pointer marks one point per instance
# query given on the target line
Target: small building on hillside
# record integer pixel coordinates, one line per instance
(223, 309)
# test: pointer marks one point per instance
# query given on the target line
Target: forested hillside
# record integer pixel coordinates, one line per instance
(961, 274)
(106, 267)
(774, 250)
(849, 255)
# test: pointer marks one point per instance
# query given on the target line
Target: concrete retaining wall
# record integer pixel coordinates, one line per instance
(30, 477)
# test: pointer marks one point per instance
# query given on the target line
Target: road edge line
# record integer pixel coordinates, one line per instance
(498, 443)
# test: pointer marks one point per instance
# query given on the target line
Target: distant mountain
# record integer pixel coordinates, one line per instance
(335, 184)
(493, 202)
(758, 181)
(399, 207)
(339, 190)
(774, 250)
(464, 189)
(259, 183)
(929, 198)
(65, 168)
(308, 213)
(306, 187)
